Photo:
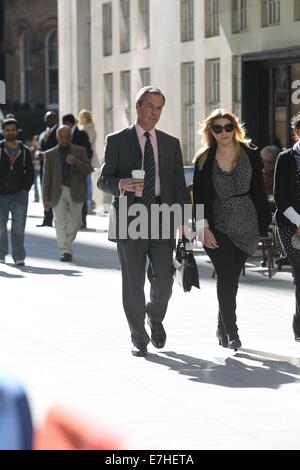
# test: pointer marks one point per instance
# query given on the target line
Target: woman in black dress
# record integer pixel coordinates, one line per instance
(228, 181)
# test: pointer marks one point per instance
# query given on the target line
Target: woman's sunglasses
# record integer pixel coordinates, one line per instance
(227, 128)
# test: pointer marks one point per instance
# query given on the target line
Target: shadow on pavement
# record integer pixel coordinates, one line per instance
(10, 276)
(85, 254)
(230, 372)
(45, 271)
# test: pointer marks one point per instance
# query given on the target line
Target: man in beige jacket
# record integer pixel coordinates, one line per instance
(65, 168)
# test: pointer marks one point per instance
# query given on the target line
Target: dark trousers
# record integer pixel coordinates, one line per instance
(228, 261)
(48, 215)
(133, 256)
(294, 260)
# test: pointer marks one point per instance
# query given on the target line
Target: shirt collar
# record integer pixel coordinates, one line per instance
(140, 131)
(296, 148)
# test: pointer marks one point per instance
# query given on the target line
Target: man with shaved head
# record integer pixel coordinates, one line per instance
(65, 168)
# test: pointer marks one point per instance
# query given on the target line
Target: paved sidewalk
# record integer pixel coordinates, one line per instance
(63, 334)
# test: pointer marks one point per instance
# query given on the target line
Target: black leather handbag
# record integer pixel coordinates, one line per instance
(186, 273)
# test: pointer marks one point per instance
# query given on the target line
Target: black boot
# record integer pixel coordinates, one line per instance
(234, 341)
(296, 327)
(222, 337)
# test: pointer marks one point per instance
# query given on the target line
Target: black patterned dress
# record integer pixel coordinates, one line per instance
(233, 208)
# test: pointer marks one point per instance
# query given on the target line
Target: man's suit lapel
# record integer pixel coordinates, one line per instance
(161, 144)
(57, 163)
(135, 148)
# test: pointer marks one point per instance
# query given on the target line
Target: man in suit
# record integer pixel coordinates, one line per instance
(159, 154)
(47, 140)
(65, 168)
(79, 137)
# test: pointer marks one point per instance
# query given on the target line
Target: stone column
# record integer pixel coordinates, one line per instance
(74, 55)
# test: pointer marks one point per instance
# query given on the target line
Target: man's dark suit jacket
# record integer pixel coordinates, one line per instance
(81, 138)
(122, 154)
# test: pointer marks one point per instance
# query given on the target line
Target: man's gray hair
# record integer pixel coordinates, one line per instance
(270, 149)
(146, 90)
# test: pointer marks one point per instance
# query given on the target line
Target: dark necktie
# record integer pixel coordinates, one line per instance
(149, 168)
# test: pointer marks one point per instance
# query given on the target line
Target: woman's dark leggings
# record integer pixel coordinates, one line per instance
(294, 260)
(228, 261)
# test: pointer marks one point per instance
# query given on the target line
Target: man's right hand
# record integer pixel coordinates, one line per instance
(131, 185)
(209, 240)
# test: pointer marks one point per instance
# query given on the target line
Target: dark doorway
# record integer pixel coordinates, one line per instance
(267, 105)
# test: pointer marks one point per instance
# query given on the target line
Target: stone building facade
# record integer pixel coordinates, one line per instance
(29, 61)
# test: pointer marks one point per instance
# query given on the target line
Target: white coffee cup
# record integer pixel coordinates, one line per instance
(138, 174)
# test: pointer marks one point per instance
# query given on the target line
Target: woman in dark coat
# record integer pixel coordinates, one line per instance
(228, 181)
(287, 199)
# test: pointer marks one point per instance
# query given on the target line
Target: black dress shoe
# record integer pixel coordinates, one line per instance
(65, 257)
(296, 327)
(44, 225)
(158, 334)
(140, 350)
(234, 341)
(223, 338)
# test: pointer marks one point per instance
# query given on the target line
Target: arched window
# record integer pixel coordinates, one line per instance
(26, 68)
(52, 69)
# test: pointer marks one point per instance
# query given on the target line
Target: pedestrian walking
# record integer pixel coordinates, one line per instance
(228, 181)
(163, 183)
(16, 179)
(287, 215)
(79, 137)
(65, 168)
(86, 123)
(47, 140)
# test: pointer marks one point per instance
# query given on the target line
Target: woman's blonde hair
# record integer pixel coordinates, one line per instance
(208, 140)
(85, 113)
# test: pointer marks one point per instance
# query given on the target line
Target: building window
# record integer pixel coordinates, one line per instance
(212, 18)
(124, 26)
(145, 22)
(239, 16)
(108, 103)
(26, 68)
(107, 28)
(271, 12)
(187, 20)
(145, 76)
(236, 85)
(52, 69)
(126, 95)
(188, 110)
(213, 84)
(296, 10)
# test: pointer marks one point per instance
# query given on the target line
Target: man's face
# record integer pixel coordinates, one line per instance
(64, 136)
(50, 119)
(297, 131)
(149, 111)
(269, 162)
(69, 124)
(10, 132)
